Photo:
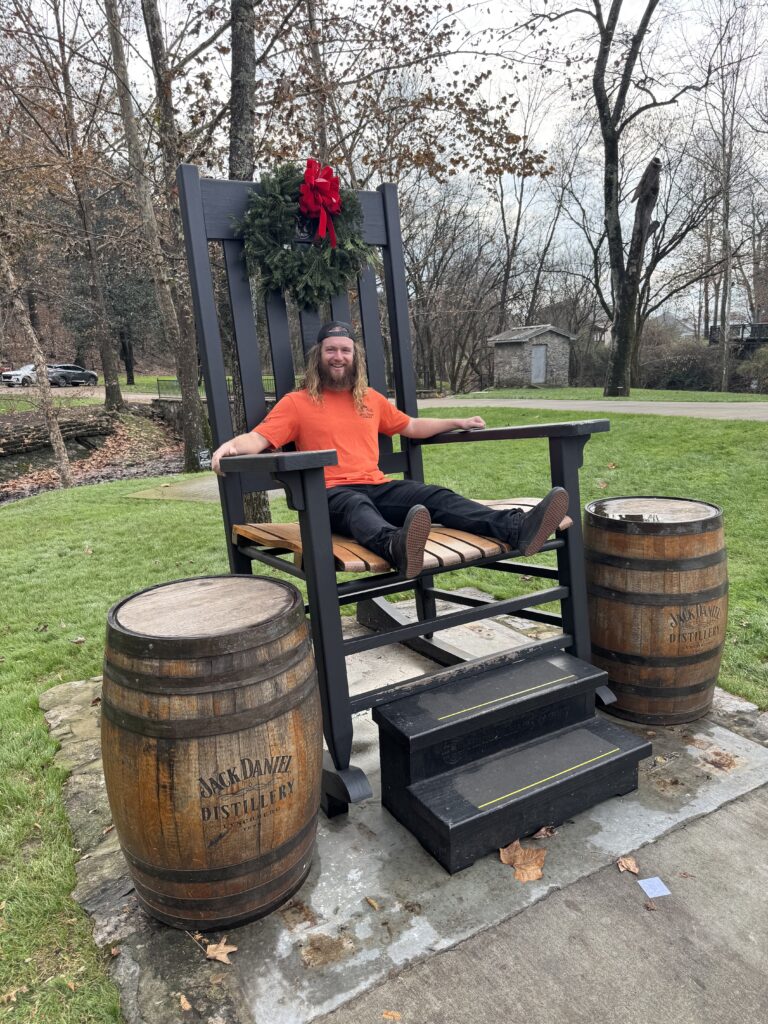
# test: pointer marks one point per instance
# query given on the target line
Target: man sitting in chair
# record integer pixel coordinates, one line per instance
(337, 410)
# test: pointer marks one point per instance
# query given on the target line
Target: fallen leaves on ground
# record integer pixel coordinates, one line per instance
(391, 1015)
(372, 903)
(107, 830)
(10, 997)
(628, 864)
(721, 759)
(78, 640)
(115, 951)
(649, 905)
(184, 1003)
(220, 951)
(602, 484)
(545, 832)
(527, 862)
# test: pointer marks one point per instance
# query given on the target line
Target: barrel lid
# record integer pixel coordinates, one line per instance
(208, 605)
(646, 509)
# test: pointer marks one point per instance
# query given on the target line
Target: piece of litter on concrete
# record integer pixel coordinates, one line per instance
(653, 887)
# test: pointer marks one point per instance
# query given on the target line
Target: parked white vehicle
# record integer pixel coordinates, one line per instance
(23, 377)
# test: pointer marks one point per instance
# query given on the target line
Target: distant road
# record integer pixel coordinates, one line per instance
(700, 410)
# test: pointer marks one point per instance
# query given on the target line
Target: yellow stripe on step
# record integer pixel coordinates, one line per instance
(517, 693)
(549, 778)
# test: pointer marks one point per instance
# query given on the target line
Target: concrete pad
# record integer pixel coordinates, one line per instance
(593, 954)
(374, 901)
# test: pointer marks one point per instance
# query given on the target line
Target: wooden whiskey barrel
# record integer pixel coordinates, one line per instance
(657, 586)
(212, 746)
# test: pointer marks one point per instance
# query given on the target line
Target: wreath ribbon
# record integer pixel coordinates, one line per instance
(319, 198)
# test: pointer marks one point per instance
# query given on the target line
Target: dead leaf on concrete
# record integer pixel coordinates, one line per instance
(220, 951)
(391, 1015)
(545, 832)
(326, 949)
(114, 951)
(184, 1003)
(628, 864)
(649, 905)
(372, 903)
(526, 861)
(685, 874)
(721, 759)
(107, 830)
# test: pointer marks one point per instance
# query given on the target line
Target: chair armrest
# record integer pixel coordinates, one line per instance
(578, 428)
(278, 462)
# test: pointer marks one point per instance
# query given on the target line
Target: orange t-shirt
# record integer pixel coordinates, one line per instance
(335, 423)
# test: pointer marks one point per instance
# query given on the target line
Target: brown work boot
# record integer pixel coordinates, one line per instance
(406, 548)
(541, 521)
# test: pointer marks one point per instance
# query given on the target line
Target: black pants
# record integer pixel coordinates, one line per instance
(371, 513)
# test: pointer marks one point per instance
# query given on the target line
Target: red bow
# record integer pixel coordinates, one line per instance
(319, 198)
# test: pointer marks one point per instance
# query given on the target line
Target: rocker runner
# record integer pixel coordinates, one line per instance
(337, 410)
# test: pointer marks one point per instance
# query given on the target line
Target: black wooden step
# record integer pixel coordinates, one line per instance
(439, 729)
(473, 810)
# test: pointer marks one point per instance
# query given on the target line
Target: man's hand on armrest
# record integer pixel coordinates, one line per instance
(243, 444)
(426, 427)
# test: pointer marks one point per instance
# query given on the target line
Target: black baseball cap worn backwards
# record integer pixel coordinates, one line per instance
(335, 329)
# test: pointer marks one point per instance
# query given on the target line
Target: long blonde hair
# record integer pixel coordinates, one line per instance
(313, 385)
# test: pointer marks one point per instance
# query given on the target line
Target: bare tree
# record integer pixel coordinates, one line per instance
(9, 296)
(191, 417)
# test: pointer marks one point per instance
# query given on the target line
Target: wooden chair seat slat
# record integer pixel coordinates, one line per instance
(445, 547)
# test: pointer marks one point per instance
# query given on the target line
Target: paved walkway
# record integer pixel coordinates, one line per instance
(698, 410)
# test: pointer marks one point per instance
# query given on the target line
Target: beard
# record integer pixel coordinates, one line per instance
(342, 382)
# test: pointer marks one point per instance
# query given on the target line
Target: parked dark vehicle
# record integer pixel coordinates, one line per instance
(61, 374)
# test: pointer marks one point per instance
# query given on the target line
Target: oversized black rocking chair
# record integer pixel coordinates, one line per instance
(211, 210)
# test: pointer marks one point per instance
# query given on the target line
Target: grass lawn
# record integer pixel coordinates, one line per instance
(69, 555)
(637, 395)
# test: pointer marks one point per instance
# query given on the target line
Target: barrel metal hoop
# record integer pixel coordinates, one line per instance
(201, 903)
(649, 661)
(232, 870)
(208, 924)
(197, 728)
(661, 692)
(140, 645)
(658, 600)
(172, 686)
(679, 529)
(663, 717)
(655, 564)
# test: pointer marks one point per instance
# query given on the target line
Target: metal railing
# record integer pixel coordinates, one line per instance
(169, 387)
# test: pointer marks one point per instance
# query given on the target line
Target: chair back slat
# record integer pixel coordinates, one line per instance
(340, 308)
(372, 339)
(204, 304)
(246, 340)
(311, 322)
(279, 334)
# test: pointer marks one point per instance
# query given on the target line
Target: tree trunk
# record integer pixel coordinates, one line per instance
(9, 292)
(626, 289)
(318, 77)
(126, 354)
(191, 416)
(78, 168)
(185, 354)
(241, 165)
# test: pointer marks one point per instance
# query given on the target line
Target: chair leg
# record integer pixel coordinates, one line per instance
(342, 783)
(566, 458)
(426, 606)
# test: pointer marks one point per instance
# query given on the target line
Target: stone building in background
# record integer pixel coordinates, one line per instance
(535, 355)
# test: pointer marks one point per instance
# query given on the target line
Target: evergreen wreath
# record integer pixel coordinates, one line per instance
(309, 249)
